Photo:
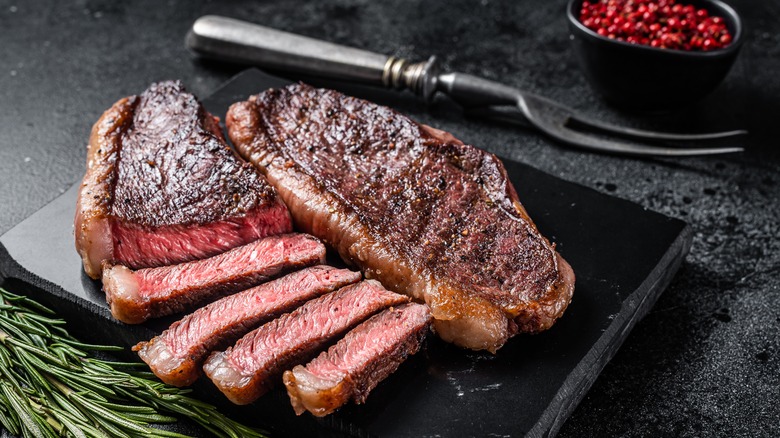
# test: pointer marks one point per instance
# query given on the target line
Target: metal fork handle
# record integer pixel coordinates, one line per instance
(242, 42)
(238, 41)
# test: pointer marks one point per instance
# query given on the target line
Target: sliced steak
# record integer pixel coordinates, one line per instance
(177, 354)
(163, 187)
(412, 206)
(357, 363)
(245, 371)
(135, 296)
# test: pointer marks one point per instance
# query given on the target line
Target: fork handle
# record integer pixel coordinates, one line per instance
(248, 43)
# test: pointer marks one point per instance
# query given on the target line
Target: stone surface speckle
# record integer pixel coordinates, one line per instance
(704, 362)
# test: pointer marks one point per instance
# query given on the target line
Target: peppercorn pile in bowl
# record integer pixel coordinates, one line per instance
(654, 54)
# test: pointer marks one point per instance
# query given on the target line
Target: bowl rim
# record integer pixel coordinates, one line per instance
(735, 45)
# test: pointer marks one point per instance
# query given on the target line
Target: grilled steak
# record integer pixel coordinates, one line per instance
(244, 372)
(135, 296)
(358, 362)
(411, 206)
(162, 187)
(177, 354)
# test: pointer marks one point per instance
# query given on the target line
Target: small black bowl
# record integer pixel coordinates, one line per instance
(639, 77)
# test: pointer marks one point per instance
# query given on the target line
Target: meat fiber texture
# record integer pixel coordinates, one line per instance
(250, 368)
(162, 186)
(176, 355)
(411, 206)
(136, 296)
(357, 363)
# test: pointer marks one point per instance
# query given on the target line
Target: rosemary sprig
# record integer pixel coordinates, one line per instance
(50, 386)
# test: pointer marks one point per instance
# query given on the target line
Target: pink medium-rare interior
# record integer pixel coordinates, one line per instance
(139, 248)
(234, 264)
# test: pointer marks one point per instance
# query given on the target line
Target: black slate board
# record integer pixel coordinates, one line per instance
(623, 255)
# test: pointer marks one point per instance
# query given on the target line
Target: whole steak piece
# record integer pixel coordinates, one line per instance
(412, 206)
(163, 187)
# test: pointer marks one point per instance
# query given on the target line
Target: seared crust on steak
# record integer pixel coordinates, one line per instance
(92, 225)
(163, 187)
(411, 206)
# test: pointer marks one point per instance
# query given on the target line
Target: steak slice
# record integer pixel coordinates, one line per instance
(358, 362)
(163, 187)
(412, 206)
(135, 296)
(244, 372)
(177, 354)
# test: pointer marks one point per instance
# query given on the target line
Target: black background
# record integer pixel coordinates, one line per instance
(704, 361)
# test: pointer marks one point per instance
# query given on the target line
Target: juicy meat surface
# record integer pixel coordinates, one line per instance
(358, 362)
(412, 206)
(245, 371)
(135, 296)
(176, 355)
(162, 186)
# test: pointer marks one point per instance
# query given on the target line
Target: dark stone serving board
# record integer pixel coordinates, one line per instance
(623, 255)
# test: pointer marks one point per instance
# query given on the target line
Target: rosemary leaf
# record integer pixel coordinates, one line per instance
(23, 301)
(109, 416)
(70, 426)
(168, 434)
(9, 330)
(34, 377)
(23, 326)
(126, 408)
(149, 418)
(132, 396)
(61, 403)
(91, 347)
(8, 418)
(43, 354)
(108, 428)
(28, 423)
(75, 383)
(34, 325)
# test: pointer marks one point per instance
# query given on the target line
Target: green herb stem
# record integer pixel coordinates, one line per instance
(51, 386)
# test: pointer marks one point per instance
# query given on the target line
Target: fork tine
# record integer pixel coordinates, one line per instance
(649, 135)
(581, 140)
(551, 118)
(625, 147)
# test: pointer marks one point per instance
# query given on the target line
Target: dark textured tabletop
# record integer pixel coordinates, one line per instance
(705, 361)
